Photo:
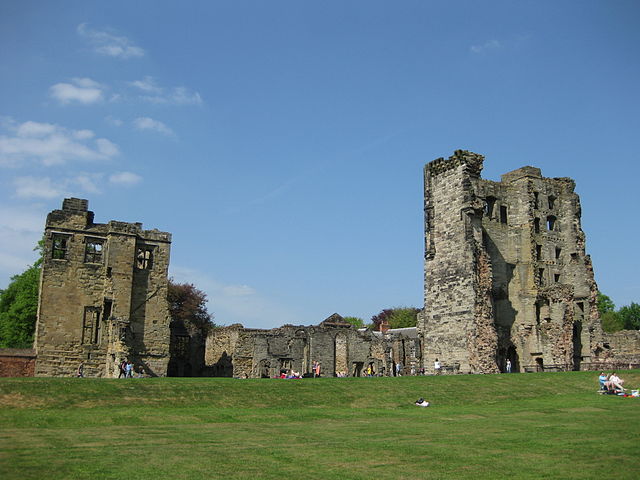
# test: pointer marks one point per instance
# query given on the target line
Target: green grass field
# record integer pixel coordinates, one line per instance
(546, 425)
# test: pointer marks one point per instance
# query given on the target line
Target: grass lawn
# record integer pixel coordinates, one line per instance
(538, 425)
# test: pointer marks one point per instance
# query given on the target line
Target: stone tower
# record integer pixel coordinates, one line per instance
(103, 295)
(506, 274)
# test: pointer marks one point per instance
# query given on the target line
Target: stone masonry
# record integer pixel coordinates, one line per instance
(506, 273)
(339, 347)
(103, 296)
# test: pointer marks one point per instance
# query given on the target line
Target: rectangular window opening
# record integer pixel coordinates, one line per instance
(556, 277)
(59, 248)
(558, 252)
(552, 202)
(93, 251)
(538, 252)
(144, 258)
(535, 200)
(91, 326)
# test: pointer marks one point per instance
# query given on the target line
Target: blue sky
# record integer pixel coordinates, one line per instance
(282, 143)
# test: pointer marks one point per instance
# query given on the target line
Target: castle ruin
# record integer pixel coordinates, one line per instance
(506, 279)
(103, 295)
(506, 273)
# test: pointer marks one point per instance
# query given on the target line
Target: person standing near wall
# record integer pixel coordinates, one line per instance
(508, 366)
(437, 367)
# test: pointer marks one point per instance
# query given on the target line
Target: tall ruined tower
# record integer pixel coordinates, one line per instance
(103, 295)
(506, 274)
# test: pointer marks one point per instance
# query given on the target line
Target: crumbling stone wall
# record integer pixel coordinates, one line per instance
(506, 273)
(103, 295)
(338, 347)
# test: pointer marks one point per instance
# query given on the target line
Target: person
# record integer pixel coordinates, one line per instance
(128, 369)
(602, 380)
(122, 367)
(508, 366)
(615, 382)
(398, 369)
(437, 366)
(316, 369)
(421, 402)
(80, 372)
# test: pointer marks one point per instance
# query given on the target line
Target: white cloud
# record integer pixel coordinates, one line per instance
(32, 187)
(238, 290)
(20, 229)
(51, 144)
(113, 121)
(125, 179)
(88, 183)
(80, 90)
(105, 43)
(231, 303)
(153, 93)
(486, 47)
(146, 123)
(147, 84)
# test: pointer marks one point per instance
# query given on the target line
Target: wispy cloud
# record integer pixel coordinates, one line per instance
(50, 144)
(153, 93)
(113, 121)
(146, 123)
(34, 187)
(110, 44)
(80, 90)
(20, 229)
(31, 187)
(233, 303)
(485, 47)
(147, 84)
(126, 179)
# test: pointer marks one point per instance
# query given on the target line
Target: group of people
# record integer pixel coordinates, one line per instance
(611, 383)
(125, 369)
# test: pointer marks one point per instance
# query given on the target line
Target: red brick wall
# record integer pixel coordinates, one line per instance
(16, 362)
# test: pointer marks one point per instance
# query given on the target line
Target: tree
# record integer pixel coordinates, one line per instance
(611, 322)
(355, 321)
(397, 317)
(605, 304)
(19, 308)
(187, 304)
(630, 316)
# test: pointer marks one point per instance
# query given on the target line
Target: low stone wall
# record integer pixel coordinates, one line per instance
(17, 362)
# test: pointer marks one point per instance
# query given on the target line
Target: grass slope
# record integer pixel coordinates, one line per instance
(548, 425)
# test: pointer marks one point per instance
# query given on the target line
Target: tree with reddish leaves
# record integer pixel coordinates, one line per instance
(188, 305)
(398, 317)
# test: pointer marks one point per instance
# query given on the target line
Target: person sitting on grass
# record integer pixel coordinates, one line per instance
(421, 402)
(615, 383)
(602, 380)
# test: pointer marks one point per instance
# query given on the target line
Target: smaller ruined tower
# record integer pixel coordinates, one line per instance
(103, 295)
(506, 273)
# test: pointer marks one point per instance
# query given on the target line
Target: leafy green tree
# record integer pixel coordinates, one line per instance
(630, 316)
(605, 304)
(188, 305)
(611, 322)
(355, 321)
(18, 309)
(397, 317)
